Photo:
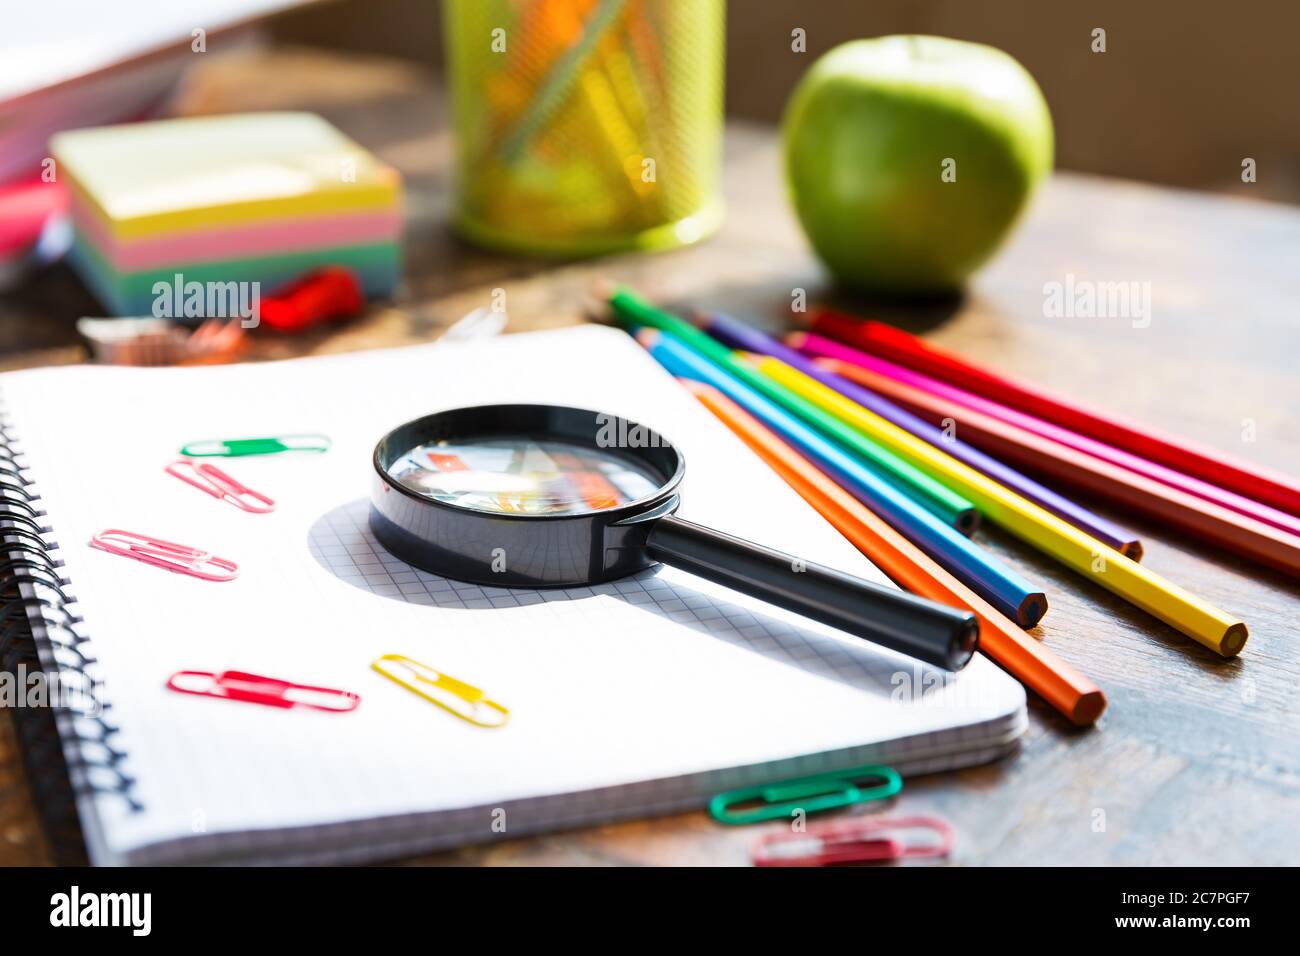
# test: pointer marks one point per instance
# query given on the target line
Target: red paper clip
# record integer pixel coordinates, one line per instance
(165, 554)
(215, 482)
(268, 691)
(332, 292)
(867, 839)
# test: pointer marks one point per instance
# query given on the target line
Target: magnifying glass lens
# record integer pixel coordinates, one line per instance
(523, 475)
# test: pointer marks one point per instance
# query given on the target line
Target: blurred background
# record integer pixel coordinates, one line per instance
(1184, 92)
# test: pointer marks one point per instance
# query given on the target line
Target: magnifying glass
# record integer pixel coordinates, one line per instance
(546, 496)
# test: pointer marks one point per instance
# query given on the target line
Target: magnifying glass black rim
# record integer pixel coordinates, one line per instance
(569, 549)
(421, 425)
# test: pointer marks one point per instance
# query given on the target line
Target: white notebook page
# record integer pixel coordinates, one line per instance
(650, 678)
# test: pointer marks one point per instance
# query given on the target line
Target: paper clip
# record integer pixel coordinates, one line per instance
(165, 554)
(269, 691)
(215, 482)
(239, 447)
(823, 791)
(468, 703)
(859, 840)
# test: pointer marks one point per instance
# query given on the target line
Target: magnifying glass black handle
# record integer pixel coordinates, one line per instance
(901, 622)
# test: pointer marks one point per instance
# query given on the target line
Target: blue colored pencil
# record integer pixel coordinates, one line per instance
(738, 335)
(1000, 586)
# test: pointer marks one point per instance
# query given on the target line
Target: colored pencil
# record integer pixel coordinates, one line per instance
(1000, 586)
(819, 346)
(1029, 661)
(1209, 464)
(560, 79)
(1103, 565)
(631, 310)
(738, 335)
(1230, 530)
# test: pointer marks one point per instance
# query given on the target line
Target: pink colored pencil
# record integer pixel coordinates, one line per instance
(818, 346)
(1205, 520)
(1209, 464)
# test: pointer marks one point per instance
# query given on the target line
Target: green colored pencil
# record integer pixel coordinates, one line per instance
(953, 509)
(560, 80)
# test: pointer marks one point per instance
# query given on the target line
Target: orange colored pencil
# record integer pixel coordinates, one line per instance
(1070, 692)
(1222, 526)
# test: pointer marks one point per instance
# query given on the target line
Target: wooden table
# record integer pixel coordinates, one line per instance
(1197, 760)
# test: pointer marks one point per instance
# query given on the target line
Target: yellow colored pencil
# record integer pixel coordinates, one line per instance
(1103, 565)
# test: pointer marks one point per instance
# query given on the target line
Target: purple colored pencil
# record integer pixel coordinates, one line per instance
(736, 334)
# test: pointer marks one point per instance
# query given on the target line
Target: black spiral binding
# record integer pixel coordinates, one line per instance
(40, 631)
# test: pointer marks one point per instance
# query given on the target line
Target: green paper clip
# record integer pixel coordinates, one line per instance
(239, 447)
(823, 791)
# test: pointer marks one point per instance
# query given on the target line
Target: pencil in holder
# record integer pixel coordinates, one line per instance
(586, 127)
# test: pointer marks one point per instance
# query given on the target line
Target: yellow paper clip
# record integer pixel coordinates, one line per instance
(466, 702)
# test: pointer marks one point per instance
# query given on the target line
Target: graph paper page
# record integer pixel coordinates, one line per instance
(650, 678)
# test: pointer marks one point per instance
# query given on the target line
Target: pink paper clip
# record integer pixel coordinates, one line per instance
(165, 554)
(212, 480)
(268, 691)
(867, 839)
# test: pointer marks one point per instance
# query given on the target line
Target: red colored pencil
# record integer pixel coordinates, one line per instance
(1229, 529)
(1024, 658)
(1209, 464)
(818, 346)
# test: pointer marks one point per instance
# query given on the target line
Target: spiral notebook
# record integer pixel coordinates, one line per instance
(639, 697)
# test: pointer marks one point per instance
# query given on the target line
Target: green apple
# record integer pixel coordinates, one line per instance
(910, 157)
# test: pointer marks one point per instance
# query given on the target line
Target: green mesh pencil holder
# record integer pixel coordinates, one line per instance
(586, 126)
